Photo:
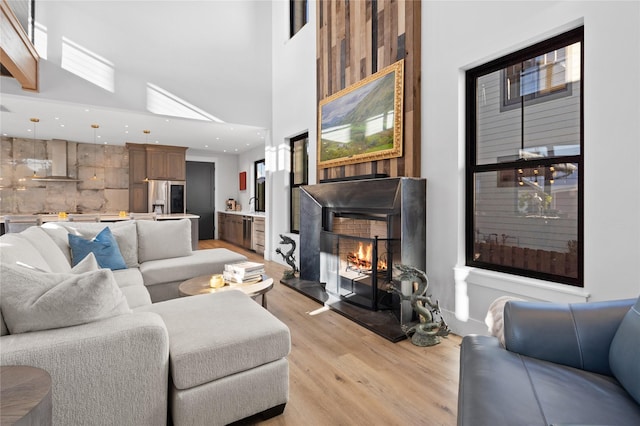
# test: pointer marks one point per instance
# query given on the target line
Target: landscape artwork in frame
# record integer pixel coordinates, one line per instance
(364, 121)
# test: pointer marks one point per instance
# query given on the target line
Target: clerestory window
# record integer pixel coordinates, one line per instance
(298, 16)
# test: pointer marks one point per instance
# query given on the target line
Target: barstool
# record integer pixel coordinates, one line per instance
(83, 217)
(18, 223)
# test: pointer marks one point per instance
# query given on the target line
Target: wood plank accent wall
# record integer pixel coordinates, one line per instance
(357, 38)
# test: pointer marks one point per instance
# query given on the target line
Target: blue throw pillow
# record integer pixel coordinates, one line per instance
(103, 246)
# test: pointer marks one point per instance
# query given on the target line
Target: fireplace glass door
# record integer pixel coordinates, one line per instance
(359, 269)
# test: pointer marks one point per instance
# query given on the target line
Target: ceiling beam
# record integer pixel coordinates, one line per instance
(17, 53)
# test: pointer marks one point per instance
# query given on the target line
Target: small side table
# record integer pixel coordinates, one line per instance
(25, 396)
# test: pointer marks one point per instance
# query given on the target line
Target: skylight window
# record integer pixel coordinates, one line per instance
(87, 65)
(160, 101)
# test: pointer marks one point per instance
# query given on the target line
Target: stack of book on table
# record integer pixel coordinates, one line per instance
(243, 273)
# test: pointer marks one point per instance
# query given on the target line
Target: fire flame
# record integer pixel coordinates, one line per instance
(363, 258)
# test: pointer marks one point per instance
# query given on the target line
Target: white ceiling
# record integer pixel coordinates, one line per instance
(134, 65)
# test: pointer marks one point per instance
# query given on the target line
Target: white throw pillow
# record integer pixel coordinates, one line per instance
(33, 300)
(88, 264)
(163, 239)
(495, 317)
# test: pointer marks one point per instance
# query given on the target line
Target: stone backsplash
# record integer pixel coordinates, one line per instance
(20, 194)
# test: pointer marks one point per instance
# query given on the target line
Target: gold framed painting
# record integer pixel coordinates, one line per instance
(364, 121)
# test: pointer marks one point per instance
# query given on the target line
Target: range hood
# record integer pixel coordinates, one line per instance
(58, 149)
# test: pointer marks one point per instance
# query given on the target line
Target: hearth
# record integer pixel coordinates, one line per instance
(351, 235)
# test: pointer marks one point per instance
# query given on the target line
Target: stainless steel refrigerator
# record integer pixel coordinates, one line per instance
(167, 196)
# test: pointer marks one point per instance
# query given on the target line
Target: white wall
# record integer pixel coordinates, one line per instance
(294, 112)
(161, 35)
(246, 163)
(460, 35)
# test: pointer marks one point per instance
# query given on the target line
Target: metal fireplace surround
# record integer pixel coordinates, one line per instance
(401, 202)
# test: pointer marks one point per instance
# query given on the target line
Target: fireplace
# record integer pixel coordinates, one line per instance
(353, 232)
(356, 259)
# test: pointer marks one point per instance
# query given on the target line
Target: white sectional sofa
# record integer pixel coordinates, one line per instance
(115, 355)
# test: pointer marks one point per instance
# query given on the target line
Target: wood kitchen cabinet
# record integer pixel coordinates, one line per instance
(258, 235)
(230, 228)
(222, 227)
(166, 162)
(137, 176)
(152, 162)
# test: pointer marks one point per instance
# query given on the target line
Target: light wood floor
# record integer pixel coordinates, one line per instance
(344, 374)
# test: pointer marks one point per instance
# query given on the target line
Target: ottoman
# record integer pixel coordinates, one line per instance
(227, 358)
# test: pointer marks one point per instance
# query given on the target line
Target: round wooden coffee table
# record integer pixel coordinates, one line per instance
(200, 285)
(25, 396)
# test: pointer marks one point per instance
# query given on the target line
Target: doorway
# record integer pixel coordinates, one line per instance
(201, 196)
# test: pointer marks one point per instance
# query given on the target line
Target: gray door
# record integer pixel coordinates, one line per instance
(201, 196)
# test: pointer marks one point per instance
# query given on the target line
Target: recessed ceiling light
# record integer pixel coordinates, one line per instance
(248, 144)
(206, 146)
(217, 139)
(126, 132)
(56, 118)
(87, 110)
(236, 149)
(62, 125)
(28, 130)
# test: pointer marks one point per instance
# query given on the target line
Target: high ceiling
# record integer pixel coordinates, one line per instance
(194, 73)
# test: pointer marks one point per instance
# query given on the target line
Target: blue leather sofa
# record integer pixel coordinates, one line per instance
(564, 364)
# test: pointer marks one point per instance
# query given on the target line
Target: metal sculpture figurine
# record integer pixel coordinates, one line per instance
(288, 257)
(428, 331)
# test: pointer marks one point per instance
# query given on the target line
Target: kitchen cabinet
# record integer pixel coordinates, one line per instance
(258, 235)
(242, 230)
(152, 162)
(137, 176)
(166, 162)
(223, 228)
(230, 228)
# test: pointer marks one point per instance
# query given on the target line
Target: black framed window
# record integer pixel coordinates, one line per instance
(299, 146)
(298, 16)
(524, 170)
(260, 184)
(537, 79)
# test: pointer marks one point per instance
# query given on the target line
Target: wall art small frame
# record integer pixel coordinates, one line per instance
(243, 181)
(364, 121)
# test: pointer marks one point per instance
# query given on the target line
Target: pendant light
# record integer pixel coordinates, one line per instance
(95, 155)
(34, 121)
